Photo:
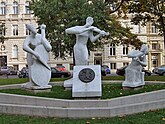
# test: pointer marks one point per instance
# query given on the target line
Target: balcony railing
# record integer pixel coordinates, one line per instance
(2, 17)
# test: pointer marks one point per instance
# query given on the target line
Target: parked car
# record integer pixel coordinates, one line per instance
(159, 70)
(55, 73)
(7, 70)
(12, 71)
(4, 70)
(105, 70)
(121, 71)
(23, 73)
(60, 68)
(103, 73)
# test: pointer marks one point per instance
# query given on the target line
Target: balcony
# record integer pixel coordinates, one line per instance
(156, 50)
(2, 17)
(26, 16)
(13, 16)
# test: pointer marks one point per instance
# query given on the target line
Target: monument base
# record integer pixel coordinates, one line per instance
(133, 78)
(31, 87)
(133, 84)
(86, 81)
(87, 98)
(68, 84)
(38, 90)
(133, 88)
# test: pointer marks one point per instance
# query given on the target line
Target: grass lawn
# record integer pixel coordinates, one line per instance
(109, 91)
(151, 117)
(8, 81)
(147, 78)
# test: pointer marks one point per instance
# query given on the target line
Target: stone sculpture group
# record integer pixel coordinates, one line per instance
(86, 81)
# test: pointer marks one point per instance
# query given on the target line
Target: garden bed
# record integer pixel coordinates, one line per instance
(108, 91)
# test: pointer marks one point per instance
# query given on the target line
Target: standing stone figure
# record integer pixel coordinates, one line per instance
(83, 33)
(37, 48)
(134, 77)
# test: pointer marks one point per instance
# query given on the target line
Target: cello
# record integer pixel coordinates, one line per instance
(40, 71)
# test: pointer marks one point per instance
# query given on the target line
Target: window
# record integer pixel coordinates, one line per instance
(15, 7)
(3, 48)
(125, 63)
(113, 65)
(2, 30)
(59, 64)
(154, 28)
(98, 62)
(125, 50)
(139, 28)
(15, 30)
(155, 63)
(112, 50)
(2, 8)
(155, 46)
(27, 11)
(27, 31)
(15, 51)
(53, 70)
(15, 67)
(71, 66)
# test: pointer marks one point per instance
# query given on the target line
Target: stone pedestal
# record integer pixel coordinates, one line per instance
(68, 83)
(133, 78)
(132, 88)
(31, 87)
(86, 81)
(39, 90)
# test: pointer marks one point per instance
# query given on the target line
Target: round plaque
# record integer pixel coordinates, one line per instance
(86, 75)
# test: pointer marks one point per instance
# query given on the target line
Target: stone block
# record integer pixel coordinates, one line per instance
(87, 81)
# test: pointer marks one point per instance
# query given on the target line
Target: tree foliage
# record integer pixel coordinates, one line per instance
(148, 11)
(115, 5)
(61, 14)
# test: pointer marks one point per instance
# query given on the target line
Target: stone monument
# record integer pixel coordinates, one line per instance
(134, 77)
(86, 81)
(37, 48)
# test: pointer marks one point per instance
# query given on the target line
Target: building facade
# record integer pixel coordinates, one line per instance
(156, 56)
(15, 15)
